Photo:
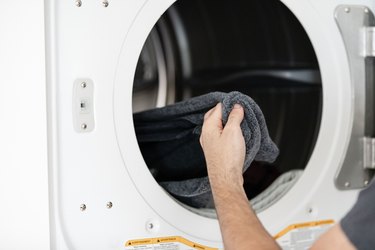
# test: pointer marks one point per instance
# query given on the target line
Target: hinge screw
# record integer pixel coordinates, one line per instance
(78, 3)
(109, 205)
(82, 207)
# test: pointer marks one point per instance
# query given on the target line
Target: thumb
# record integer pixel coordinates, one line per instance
(236, 116)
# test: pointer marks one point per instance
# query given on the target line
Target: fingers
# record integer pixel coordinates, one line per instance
(236, 116)
(212, 119)
(215, 110)
(208, 114)
(212, 125)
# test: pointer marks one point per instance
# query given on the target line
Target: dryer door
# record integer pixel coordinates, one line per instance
(315, 195)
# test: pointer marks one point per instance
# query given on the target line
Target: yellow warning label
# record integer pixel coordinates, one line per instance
(165, 243)
(303, 225)
(302, 235)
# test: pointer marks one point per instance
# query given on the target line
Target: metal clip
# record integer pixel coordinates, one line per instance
(369, 153)
(369, 41)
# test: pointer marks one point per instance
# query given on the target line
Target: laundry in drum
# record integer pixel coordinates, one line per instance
(169, 141)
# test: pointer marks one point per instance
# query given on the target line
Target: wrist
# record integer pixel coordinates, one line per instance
(220, 175)
(228, 193)
(223, 184)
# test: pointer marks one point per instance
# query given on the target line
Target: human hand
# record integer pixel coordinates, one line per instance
(224, 147)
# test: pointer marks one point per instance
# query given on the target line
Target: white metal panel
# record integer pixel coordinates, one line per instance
(85, 42)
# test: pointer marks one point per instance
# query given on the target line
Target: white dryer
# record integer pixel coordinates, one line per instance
(107, 59)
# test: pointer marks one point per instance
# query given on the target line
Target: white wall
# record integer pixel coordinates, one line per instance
(23, 150)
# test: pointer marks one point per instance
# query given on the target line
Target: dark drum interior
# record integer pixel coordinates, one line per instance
(252, 46)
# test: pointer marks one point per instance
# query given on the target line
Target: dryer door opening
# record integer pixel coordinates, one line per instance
(258, 48)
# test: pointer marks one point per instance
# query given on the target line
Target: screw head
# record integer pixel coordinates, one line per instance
(365, 182)
(366, 10)
(84, 126)
(152, 226)
(109, 205)
(347, 9)
(347, 184)
(78, 3)
(82, 207)
(105, 4)
(83, 85)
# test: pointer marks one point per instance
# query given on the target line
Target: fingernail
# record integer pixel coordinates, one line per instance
(237, 106)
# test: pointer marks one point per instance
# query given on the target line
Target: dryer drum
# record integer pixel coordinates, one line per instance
(255, 47)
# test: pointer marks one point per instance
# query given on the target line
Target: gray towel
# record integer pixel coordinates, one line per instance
(259, 146)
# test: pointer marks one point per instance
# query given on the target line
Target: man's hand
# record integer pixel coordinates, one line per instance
(224, 148)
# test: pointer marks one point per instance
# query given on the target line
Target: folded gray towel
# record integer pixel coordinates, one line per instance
(259, 146)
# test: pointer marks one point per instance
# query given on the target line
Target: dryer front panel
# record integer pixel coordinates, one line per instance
(103, 192)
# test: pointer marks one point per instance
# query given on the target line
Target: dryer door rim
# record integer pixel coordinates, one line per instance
(327, 155)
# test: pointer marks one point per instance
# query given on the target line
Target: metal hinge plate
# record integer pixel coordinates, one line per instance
(369, 41)
(369, 153)
(357, 27)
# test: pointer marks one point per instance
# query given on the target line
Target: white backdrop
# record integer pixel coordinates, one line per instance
(23, 139)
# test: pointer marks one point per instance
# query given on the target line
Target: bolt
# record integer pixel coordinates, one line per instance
(83, 85)
(82, 207)
(365, 182)
(105, 3)
(347, 184)
(152, 226)
(84, 126)
(347, 9)
(78, 3)
(366, 10)
(109, 205)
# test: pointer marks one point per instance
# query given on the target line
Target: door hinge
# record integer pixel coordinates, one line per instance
(369, 41)
(369, 153)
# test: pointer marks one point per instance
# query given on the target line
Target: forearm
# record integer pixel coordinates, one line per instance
(224, 149)
(241, 229)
